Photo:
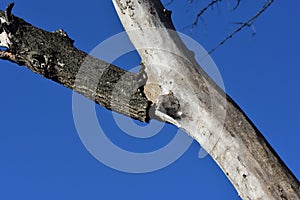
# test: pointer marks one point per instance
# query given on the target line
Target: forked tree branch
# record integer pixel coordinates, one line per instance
(242, 25)
(248, 23)
(179, 91)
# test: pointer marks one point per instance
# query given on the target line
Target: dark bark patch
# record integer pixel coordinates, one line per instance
(169, 105)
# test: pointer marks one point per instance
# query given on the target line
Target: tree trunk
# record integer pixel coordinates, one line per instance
(177, 89)
(244, 155)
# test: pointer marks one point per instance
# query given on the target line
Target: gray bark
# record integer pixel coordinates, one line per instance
(53, 55)
(253, 167)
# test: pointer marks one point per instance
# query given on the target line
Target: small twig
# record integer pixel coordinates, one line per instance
(243, 25)
(249, 25)
(237, 4)
(198, 16)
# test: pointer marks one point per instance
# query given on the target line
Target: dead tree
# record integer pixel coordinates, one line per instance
(157, 91)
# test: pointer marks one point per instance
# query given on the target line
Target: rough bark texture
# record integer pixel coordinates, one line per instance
(54, 56)
(181, 92)
(197, 105)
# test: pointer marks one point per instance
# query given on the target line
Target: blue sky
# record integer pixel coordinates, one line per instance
(42, 156)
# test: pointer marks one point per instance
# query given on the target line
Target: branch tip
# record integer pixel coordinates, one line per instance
(236, 5)
(248, 23)
(8, 10)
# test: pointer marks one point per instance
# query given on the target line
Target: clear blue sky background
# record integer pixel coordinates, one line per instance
(42, 157)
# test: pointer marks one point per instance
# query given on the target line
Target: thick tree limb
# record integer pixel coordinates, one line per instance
(180, 92)
(54, 56)
(253, 167)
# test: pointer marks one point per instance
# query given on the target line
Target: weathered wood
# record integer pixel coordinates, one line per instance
(253, 167)
(53, 55)
(198, 104)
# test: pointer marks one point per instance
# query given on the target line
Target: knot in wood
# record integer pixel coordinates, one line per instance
(169, 104)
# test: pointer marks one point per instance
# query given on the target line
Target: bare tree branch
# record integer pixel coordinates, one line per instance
(248, 23)
(247, 159)
(53, 55)
(203, 10)
(182, 91)
(237, 4)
